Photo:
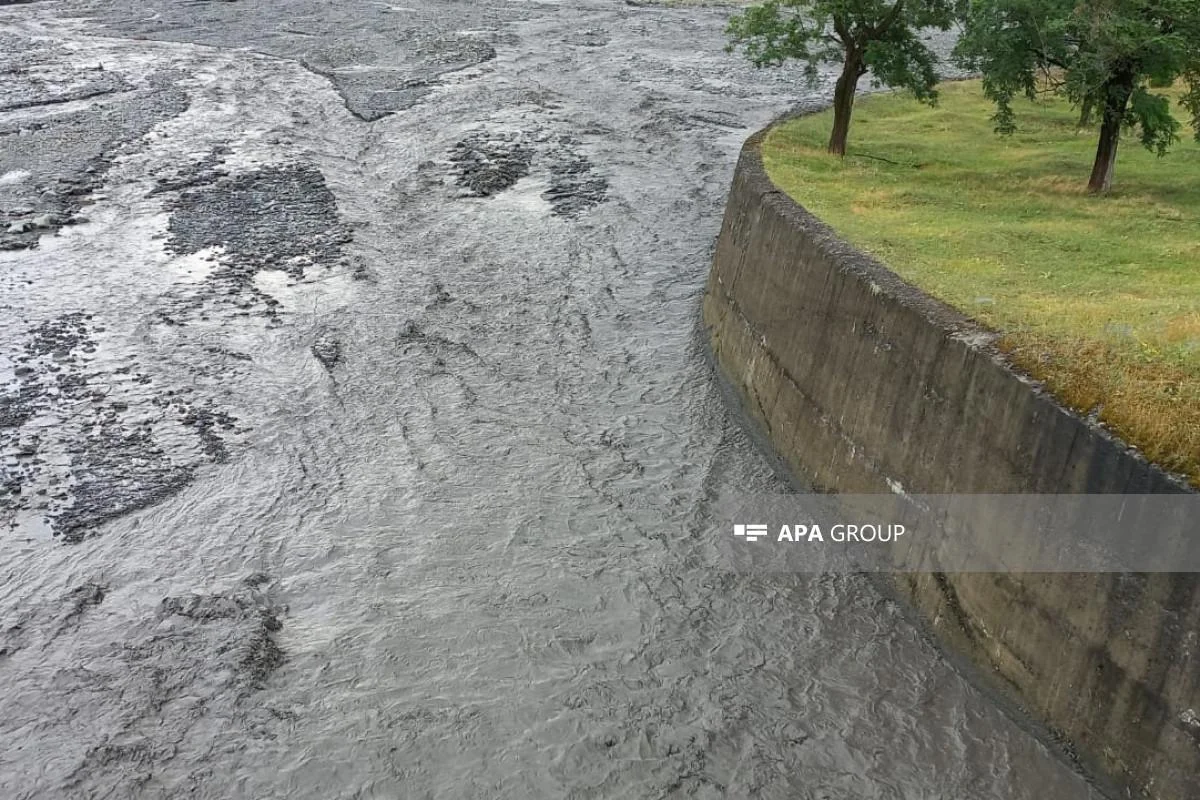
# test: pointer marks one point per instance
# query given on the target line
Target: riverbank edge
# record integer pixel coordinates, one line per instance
(860, 382)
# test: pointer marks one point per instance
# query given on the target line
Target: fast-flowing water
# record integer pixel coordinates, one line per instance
(357, 433)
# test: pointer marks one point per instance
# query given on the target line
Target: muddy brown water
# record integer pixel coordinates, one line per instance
(356, 434)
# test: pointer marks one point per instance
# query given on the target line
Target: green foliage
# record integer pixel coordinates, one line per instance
(1110, 52)
(876, 35)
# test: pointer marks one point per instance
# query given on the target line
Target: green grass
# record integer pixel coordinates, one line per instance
(1099, 297)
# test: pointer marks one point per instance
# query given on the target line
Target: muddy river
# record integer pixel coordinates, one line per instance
(357, 438)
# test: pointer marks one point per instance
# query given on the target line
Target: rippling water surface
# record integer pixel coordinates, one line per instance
(357, 436)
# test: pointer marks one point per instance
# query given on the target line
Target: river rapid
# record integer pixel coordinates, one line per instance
(357, 438)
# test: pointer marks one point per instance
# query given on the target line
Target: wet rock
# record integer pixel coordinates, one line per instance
(459, 51)
(327, 350)
(47, 620)
(274, 217)
(113, 460)
(197, 660)
(255, 654)
(281, 217)
(84, 597)
(410, 332)
(438, 296)
(62, 335)
(52, 166)
(373, 88)
(116, 476)
(574, 184)
(36, 90)
(206, 422)
(588, 38)
(277, 217)
(205, 608)
(486, 163)
(204, 172)
(256, 579)
(225, 352)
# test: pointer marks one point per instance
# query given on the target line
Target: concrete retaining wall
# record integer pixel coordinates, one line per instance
(862, 383)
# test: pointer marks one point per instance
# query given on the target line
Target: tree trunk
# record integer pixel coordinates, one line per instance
(843, 102)
(1085, 112)
(1116, 101)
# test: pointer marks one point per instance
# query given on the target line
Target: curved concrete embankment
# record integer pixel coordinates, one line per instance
(862, 383)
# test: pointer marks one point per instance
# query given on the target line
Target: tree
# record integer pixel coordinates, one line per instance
(879, 36)
(1107, 56)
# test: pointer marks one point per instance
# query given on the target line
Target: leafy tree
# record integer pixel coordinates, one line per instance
(1107, 56)
(880, 36)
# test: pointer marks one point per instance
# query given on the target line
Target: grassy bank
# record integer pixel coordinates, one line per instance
(1098, 297)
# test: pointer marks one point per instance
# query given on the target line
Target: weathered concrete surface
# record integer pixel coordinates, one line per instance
(862, 383)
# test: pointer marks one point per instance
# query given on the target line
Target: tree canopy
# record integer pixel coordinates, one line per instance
(876, 36)
(1108, 54)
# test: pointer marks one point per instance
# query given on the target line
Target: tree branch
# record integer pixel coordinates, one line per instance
(843, 31)
(887, 22)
